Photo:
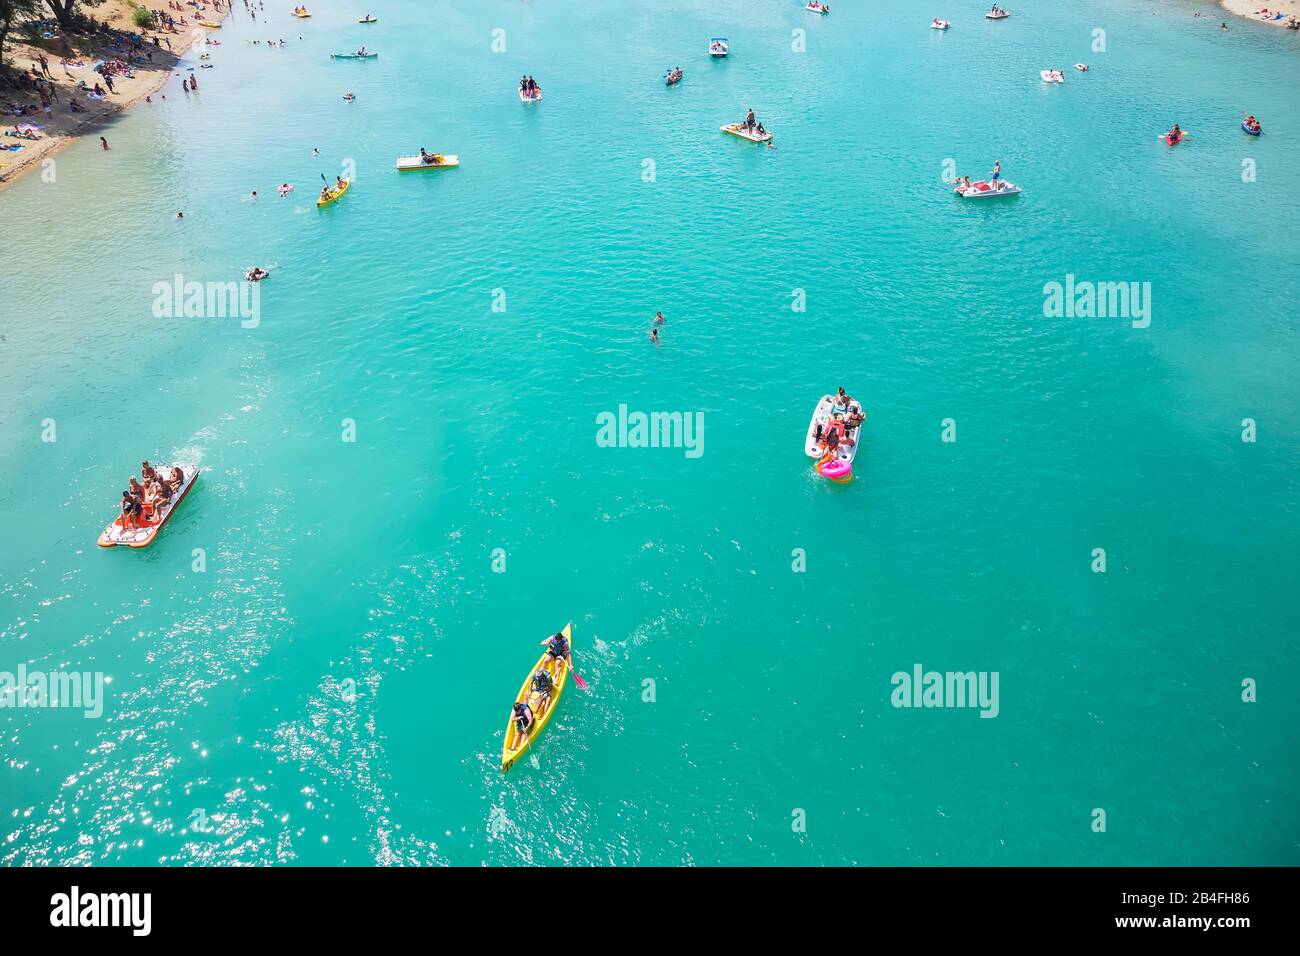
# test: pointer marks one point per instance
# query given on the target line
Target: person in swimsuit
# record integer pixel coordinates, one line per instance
(654, 336)
(659, 318)
(557, 649)
(997, 170)
(128, 510)
(749, 120)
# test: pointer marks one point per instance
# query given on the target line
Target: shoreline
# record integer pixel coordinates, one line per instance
(64, 128)
(1247, 10)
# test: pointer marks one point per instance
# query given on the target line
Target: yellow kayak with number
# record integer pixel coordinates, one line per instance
(334, 194)
(515, 743)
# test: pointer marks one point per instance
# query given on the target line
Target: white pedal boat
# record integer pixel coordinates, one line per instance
(719, 47)
(738, 129)
(984, 190)
(415, 162)
(1052, 76)
(937, 24)
(115, 535)
(1000, 15)
(822, 416)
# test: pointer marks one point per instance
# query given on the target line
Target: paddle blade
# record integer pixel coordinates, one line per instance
(577, 679)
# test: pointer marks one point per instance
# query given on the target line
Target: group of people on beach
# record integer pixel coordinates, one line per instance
(528, 86)
(526, 713)
(144, 500)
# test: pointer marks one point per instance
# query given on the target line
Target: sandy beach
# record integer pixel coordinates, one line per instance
(1250, 9)
(61, 127)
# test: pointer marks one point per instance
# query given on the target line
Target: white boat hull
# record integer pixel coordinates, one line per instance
(822, 416)
(415, 162)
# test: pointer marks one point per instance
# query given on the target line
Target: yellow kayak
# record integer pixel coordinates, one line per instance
(301, 16)
(334, 193)
(210, 24)
(515, 745)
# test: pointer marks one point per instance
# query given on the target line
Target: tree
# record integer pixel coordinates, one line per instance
(11, 11)
(67, 11)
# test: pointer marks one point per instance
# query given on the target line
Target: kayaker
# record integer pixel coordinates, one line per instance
(1175, 134)
(557, 649)
(523, 717)
(543, 686)
(325, 193)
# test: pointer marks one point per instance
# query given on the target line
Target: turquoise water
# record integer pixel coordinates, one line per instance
(370, 562)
